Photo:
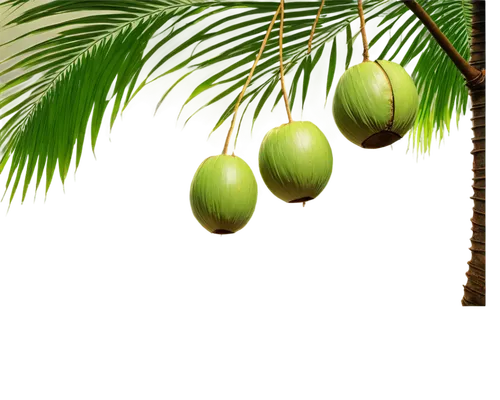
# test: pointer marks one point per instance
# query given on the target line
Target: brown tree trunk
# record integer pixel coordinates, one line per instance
(475, 289)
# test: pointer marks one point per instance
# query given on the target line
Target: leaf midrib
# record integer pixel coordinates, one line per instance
(100, 39)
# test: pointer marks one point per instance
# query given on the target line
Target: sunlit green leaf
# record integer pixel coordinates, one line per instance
(57, 88)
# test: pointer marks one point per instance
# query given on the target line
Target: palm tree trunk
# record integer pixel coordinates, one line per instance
(475, 289)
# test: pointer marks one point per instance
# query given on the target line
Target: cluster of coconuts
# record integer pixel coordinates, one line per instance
(375, 104)
(295, 161)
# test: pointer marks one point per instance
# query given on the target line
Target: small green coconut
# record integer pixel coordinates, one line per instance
(295, 161)
(375, 104)
(223, 194)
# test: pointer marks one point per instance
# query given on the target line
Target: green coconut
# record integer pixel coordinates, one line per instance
(375, 103)
(223, 194)
(295, 161)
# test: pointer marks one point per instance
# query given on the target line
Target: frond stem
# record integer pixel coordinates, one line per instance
(252, 70)
(471, 74)
(313, 30)
(282, 69)
(363, 31)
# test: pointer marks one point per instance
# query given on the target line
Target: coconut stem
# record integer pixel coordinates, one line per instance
(473, 75)
(282, 69)
(363, 31)
(309, 45)
(252, 70)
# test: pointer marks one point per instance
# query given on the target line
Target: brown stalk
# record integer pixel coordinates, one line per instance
(313, 30)
(473, 75)
(363, 31)
(282, 69)
(259, 55)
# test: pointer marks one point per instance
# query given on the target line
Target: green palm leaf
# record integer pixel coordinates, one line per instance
(62, 85)
(441, 86)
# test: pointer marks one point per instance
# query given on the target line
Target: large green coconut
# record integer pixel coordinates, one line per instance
(375, 103)
(223, 194)
(295, 161)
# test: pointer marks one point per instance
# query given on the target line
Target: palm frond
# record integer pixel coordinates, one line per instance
(237, 52)
(94, 61)
(441, 86)
(97, 58)
(62, 83)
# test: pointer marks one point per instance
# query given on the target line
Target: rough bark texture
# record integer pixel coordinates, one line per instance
(475, 289)
(475, 75)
